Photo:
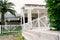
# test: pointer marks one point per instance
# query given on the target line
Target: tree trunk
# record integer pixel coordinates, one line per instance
(2, 19)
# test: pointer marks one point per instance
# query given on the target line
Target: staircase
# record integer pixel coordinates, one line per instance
(41, 34)
(29, 35)
(36, 24)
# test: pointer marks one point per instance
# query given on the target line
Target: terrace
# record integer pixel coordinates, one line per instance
(34, 25)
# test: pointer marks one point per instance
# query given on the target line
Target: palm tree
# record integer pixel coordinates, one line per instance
(5, 7)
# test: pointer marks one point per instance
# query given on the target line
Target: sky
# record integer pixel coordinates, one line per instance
(20, 3)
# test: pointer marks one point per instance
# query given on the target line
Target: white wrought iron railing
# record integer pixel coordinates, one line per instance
(10, 28)
(37, 23)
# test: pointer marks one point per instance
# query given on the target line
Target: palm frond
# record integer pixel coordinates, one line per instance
(12, 11)
(5, 1)
(10, 5)
(6, 6)
(1, 2)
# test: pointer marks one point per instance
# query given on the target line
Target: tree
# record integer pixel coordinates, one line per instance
(5, 7)
(54, 13)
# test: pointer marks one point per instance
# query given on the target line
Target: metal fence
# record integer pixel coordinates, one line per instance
(10, 28)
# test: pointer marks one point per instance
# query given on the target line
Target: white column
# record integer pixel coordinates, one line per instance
(30, 18)
(29, 15)
(38, 19)
(23, 19)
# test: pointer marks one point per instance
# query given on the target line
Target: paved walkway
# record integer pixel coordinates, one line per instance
(41, 34)
(6, 37)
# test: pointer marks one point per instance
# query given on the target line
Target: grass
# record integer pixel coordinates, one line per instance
(18, 36)
(17, 33)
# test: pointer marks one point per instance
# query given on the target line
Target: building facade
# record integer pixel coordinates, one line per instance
(33, 11)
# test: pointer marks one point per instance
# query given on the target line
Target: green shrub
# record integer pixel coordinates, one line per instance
(54, 13)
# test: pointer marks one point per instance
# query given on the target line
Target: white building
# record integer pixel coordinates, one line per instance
(33, 11)
(37, 21)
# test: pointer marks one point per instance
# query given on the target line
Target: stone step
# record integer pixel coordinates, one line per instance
(26, 36)
(43, 34)
(31, 36)
(34, 33)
